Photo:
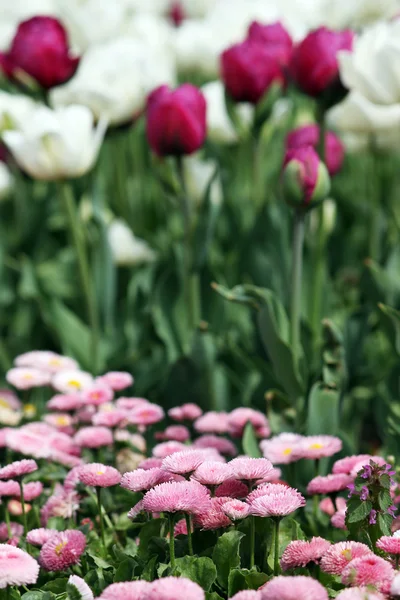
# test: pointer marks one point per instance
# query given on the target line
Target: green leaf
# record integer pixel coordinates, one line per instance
(384, 499)
(150, 530)
(149, 571)
(359, 513)
(254, 579)
(213, 596)
(201, 570)
(384, 522)
(250, 442)
(236, 581)
(323, 410)
(125, 570)
(394, 316)
(34, 595)
(226, 555)
(57, 586)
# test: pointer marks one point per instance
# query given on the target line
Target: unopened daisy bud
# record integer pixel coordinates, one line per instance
(305, 178)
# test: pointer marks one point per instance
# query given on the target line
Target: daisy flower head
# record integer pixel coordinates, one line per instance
(221, 444)
(179, 433)
(357, 467)
(167, 448)
(18, 468)
(276, 502)
(150, 463)
(326, 506)
(78, 588)
(346, 464)
(126, 590)
(177, 496)
(329, 484)
(71, 381)
(315, 447)
(16, 530)
(175, 588)
(338, 556)
(247, 595)
(214, 517)
(25, 378)
(32, 490)
(46, 360)
(63, 503)
(99, 475)
(232, 488)
(184, 462)
(212, 422)
(38, 537)
(142, 480)
(136, 510)
(360, 593)
(64, 402)
(236, 509)
(145, 415)
(395, 586)
(9, 400)
(97, 394)
(212, 473)
(62, 550)
(109, 418)
(239, 417)
(250, 469)
(389, 544)
(16, 567)
(283, 448)
(126, 403)
(61, 421)
(369, 570)
(293, 588)
(117, 380)
(300, 553)
(186, 412)
(93, 437)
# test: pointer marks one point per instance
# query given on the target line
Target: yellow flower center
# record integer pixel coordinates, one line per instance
(287, 451)
(347, 554)
(55, 362)
(95, 395)
(62, 421)
(74, 383)
(316, 446)
(60, 547)
(29, 409)
(27, 376)
(100, 473)
(4, 403)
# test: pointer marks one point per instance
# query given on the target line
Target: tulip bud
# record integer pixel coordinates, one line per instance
(249, 69)
(305, 178)
(176, 14)
(275, 37)
(309, 136)
(314, 65)
(176, 120)
(40, 49)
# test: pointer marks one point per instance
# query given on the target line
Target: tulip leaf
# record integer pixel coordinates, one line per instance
(323, 410)
(394, 316)
(250, 442)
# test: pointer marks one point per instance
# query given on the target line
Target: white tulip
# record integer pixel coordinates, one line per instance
(151, 31)
(6, 181)
(155, 7)
(59, 144)
(15, 109)
(356, 13)
(198, 174)
(219, 125)
(197, 8)
(12, 13)
(126, 248)
(114, 79)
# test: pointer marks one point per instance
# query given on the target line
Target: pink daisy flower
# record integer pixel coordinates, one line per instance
(186, 412)
(93, 437)
(109, 418)
(338, 556)
(9, 488)
(250, 469)
(300, 553)
(293, 588)
(99, 475)
(62, 550)
(175, 588)
(329, 483)
(67, 460)
(239, 417)
(181, 528)
(214, 517)
(360, 593)
(26, 378)
(46, 360)
(338, 520)
(97, 394)
(63, 503)
(126, 590)
(276, 502)
(117, 380)
(183, 462)
(212, 473)
(369, 570)
(361, 464)
(61, 421)
(38, 537)
(177, 496)
(264, 489)
(71, 381)
(32, 490)
(221, 444)
(16, 567)
(8, 399)
(346, 464)
(167, 448)
(85, 414)
(18, 468)
(395, 587)
(16, 530)
(326, 506)
(77, 587)
(141, 479)
(212, 422)
(64, 402)
(247, 595)
(389, 544)
(150, 463)
(236, 510)
(232, 488)
(129, 403)
(136, 510)
(147, 414)
(318, 446)
(179, 433)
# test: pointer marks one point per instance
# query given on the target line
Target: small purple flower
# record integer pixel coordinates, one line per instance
(352, 489)
(372, 517)
(391, 510)
(364, 493)
(389, 471)
(367, 472)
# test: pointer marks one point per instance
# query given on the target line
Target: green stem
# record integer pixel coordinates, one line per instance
(297, 267)
(374, 245)
(252, 539)
(23, 508)
(189, 533)
(100, 507)
(171, 540)
(277, 522)
(77, 236)
(257, 183)
(7, 518)
(190, 279)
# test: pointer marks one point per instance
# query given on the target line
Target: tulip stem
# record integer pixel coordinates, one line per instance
(77, 236)
(257, 183)
(296, 291)
(190, 278)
